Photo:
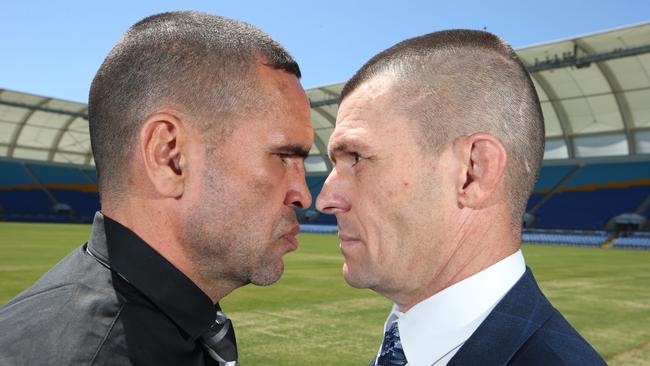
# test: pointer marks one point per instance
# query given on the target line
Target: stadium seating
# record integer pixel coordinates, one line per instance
(533, 200)
(636, 240)
(549, 177)
(47, 193)
(588, 209)
(20, 194)
(70, 186)
(575, 238)
(90, 173)
(598, 192)
(632, 242)
(318, 229)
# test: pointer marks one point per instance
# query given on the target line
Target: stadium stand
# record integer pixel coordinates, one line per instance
(595, 194)
(69, 186)
(20, 193)
(636, 240)
(319, 229)
(46, 192)
(549, 178)
(91, 174)
(559, 237)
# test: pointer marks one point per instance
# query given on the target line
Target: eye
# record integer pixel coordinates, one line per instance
(357, 158)
(283, 157)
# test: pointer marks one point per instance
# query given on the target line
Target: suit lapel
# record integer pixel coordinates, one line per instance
(517, 316)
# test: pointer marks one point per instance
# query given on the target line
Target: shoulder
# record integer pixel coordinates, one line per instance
(556, 343)
(64, 317)
(552, 341)
(525, 329)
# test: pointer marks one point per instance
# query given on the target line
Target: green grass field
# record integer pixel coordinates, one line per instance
(311, 317)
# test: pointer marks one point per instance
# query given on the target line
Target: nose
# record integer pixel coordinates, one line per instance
(331, 199)
(298, 195)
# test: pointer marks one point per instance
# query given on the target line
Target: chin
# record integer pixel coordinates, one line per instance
(269, 275)
(353, 279)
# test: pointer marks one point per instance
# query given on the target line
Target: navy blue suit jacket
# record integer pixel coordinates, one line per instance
(525, 329)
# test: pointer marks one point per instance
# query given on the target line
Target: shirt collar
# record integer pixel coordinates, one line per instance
(442, 322)
(151, 274)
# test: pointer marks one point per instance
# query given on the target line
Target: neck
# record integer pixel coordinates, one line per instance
(163, 232)
(476, 246)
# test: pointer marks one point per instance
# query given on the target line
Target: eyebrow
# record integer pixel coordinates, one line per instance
(293, 149)
(346, 146)
(337, 148)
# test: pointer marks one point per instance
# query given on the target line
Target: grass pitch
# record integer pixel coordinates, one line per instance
(311, 317)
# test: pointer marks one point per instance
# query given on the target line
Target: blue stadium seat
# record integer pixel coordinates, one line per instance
(19, 192)
(590, 239)
(533, 200)
(69, 185)
(25, 201)
(318, 229)
(550, 176)
(92, 173)
(14, 174)
(603, 174)
(598, 192)
(588, 209)
(52, 174)
(636, 242)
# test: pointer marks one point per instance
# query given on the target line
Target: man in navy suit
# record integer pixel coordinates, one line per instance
(437, 146)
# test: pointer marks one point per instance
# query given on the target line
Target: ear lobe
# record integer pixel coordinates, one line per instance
(485, 159)
(161, 147)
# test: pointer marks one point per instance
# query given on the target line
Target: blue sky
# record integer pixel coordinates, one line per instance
(53, 48)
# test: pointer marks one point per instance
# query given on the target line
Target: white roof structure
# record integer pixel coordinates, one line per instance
(594, 90)
(40, 128)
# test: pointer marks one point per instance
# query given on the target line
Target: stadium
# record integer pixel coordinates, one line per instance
(587, 225)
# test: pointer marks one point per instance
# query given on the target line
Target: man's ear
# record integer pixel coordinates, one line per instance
(483, 159)
(162, 145)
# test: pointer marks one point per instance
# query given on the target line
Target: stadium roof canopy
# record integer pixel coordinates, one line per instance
(594, 90)
(40, 128)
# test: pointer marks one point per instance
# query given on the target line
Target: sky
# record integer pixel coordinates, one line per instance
(53, 48)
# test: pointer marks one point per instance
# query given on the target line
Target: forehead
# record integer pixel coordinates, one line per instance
(280, 89)
(368, 115)
(286, 108)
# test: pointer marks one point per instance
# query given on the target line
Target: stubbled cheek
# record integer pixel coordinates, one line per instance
(260, 186)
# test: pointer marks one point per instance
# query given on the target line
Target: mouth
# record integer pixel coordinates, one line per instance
(348, 240)
(291, 238)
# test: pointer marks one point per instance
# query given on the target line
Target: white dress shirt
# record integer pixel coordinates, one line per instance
(433, 330)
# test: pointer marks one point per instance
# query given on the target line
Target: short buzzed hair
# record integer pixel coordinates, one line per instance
(459, 82)
(202, 64)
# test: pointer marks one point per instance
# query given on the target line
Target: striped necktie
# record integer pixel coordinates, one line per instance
(392, 353)
(220, 341)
